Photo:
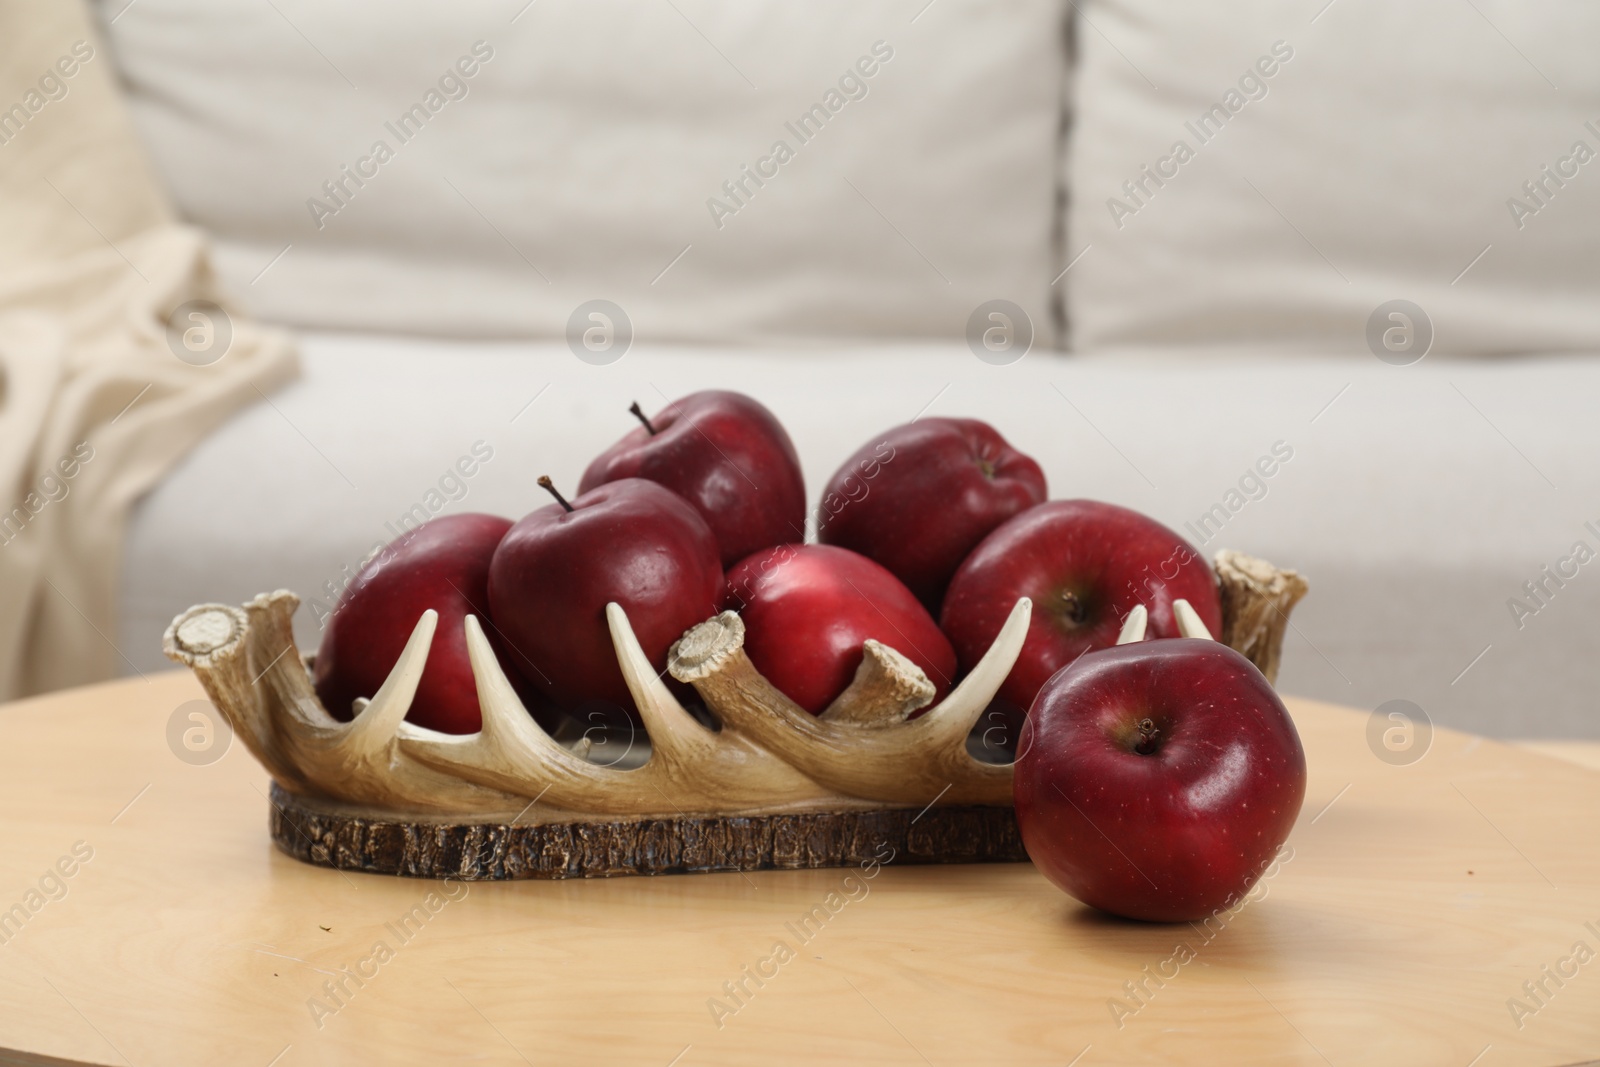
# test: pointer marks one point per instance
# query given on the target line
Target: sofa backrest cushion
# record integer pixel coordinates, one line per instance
(720, 169)
(1278, 171)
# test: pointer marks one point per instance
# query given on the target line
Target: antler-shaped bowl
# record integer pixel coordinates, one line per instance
(769, 756)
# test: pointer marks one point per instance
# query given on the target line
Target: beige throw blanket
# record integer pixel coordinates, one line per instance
(95, 401)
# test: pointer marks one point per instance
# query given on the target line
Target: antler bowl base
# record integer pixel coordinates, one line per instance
(332, 835)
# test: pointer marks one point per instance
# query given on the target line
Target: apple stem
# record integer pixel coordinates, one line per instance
(1147, 737)
(544, 480)
(638, 413)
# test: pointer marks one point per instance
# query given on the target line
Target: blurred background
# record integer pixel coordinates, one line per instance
(269, 268)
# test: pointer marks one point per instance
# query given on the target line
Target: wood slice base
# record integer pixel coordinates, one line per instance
(328, 837)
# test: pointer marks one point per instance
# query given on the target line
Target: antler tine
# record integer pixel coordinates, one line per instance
(1189, 623)
(1134, 625)
(361, 761)
(278, 714)
(967, 701)
(700, 769)
(372, 730)
(276, 662)
(675, 737)
(512, 753)
(908, 764)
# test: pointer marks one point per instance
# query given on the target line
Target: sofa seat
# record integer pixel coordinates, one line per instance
(1423, 503)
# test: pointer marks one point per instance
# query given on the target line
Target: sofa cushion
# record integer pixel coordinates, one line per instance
(720, 170)
(1276, 170)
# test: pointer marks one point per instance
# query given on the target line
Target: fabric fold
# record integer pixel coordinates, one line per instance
(117, 351)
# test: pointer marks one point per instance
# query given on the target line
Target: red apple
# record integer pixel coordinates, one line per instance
(1157, 780)
(442, 564)
(1085, 565)
(919, 498)
(725, 454)
(630, 541)
(808, 609)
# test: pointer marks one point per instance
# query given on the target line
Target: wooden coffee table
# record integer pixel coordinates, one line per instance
(1418, 901)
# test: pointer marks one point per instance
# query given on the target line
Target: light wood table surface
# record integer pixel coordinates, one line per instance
(1583, 753)
(1418, 900)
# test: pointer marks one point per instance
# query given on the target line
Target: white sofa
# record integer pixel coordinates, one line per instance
(1420, 500)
